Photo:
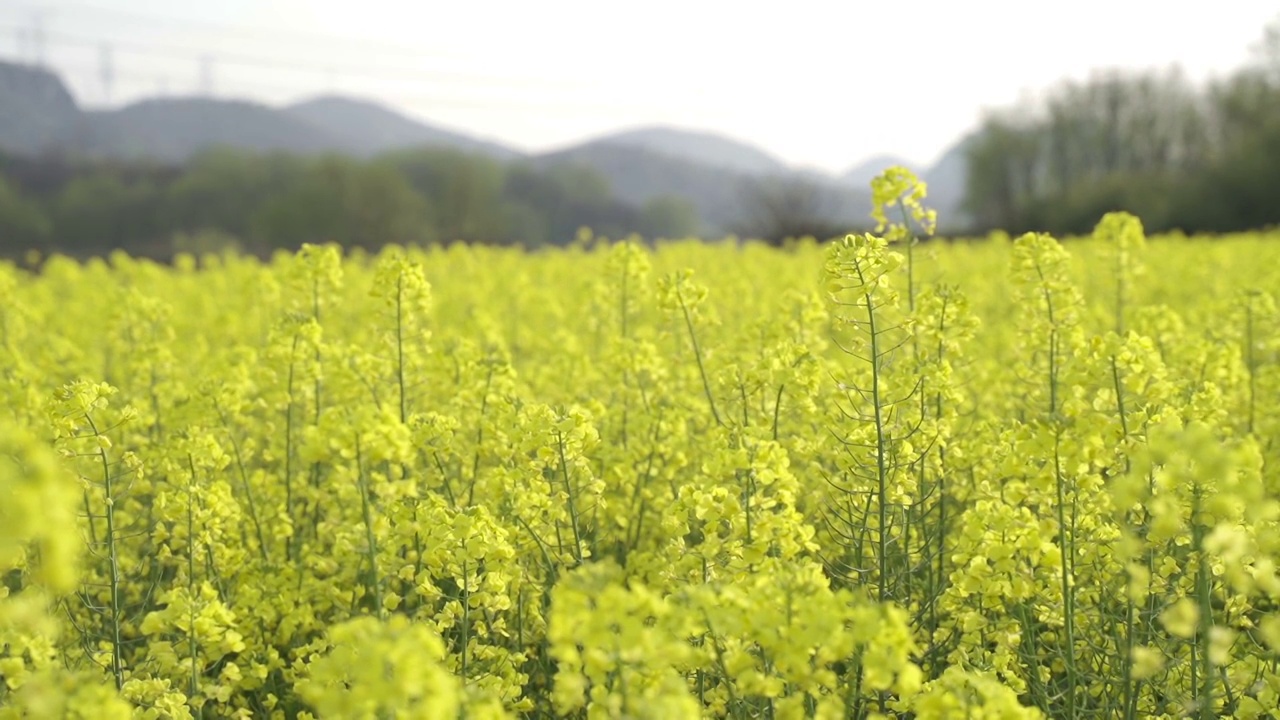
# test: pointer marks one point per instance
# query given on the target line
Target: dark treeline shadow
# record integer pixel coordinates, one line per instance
(1182, 157)
(258, 203)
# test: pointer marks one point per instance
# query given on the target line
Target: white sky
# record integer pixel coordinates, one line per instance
(817, 83)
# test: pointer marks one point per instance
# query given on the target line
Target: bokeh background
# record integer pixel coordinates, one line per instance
(262, 125)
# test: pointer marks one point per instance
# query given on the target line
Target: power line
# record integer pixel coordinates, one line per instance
(106, 71)
(206, 75)
(20, 39)
(277, 63)
(37, 35)
(272, 35)
(109, 74)
(395, 98)
(206, 62)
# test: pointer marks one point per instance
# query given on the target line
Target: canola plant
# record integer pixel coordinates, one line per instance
(876, 478)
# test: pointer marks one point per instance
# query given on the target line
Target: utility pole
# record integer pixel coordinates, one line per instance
(206, 75)
(106, 71)
(37, 36)
(20, 35)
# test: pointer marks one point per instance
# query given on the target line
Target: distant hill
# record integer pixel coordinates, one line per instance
(37, 113)
(719, 194)
(637, 175)
(711, 171)
(696, 146)
(178, 128)
(365, 128)
(861, 175)
(946, 179)
(175, 129)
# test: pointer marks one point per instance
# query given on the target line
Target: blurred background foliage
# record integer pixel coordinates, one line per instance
(1194, 157)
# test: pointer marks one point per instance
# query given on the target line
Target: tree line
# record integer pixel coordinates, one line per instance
(1181, 156)
(259, 203)
(1197, 159)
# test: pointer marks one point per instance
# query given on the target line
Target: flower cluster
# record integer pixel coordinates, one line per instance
(884, 477)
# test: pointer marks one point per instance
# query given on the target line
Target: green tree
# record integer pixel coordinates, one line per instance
(101, 212)
(1149, 143)
(1001, 173)
(667, 216)
(781, 207)
(223, 189)
(464, 189)
(23, 224)
(568, 197)
(348, 202)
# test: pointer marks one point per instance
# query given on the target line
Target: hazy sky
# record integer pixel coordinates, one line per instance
(817, 83)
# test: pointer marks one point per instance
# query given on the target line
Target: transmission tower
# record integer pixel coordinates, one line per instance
(36, 36)
(20, 36)
(106, 71)
(206, 75)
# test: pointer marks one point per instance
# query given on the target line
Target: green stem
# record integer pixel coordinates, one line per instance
(1249, 358)
(882, 469)
(192, 645)
(113, 565)
(777, 409)
(244, 480)
(1121, 265)
(573, 509)
(290, 551)
(370, 536)
(697, 354)
(911, 260)
(1204, 693)
(475, 459)
(466, 618)
(1065, 548)
(1068, 592)
(404, 415)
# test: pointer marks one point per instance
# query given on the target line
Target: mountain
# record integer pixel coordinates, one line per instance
(37, 113)
(175, 129)
(721, 195)
(695, 146)
(716, 174)
(863, 173)
(637, 175)
(946, 179)
(366, 128)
